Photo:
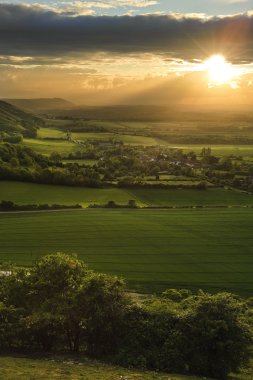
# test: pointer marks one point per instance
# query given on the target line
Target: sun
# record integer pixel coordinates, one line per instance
(220, 71)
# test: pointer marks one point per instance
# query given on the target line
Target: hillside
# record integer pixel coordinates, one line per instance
(75, 368)
(13, 368)
(40, 105)
(14, 120)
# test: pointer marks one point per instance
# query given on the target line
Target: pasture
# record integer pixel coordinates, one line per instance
(46, 147)
(30, 193)
(218, 150)
(27, 193)
(125, 138)
(152, 249)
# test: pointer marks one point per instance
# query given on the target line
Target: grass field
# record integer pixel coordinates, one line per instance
(152, 249)
(48, 146)
(185, 197)
(79, 368)
(27, 193)
(51, 133)
(219, 150)
(127, 139)
(18, 368)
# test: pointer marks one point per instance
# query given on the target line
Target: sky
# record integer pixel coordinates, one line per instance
(128, 51)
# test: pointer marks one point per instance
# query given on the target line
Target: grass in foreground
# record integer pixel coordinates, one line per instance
(22, 368)
(27, 368)
(152, 249)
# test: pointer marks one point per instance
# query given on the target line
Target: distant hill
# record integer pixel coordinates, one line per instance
(149, 113)
(13, 120)
(41, 105)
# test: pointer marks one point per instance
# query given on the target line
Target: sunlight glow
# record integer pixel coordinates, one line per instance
(220, 71)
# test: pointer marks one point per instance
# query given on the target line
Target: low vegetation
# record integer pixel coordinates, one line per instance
(69, 367)
(9, 206)
(59, 304)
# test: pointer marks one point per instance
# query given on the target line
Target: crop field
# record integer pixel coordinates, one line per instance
(152, 249)
(27, 193)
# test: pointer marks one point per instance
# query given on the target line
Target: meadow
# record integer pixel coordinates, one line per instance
(219, 150)
(30, 193)
(48, 146)
(72, 368)
(81, 368)
(152, 249)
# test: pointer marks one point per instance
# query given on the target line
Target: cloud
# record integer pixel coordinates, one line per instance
(32, 31)
(83, 7)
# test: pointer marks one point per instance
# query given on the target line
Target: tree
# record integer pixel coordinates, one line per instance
(215, 338)
(64, 296)
(102, 304)
(132, 203)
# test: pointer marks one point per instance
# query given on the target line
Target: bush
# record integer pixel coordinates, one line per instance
(60, 304)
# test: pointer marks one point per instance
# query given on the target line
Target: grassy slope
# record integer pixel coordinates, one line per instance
(152, 249)
(19, 368)
(67, 368)
(27, 193)
(13, 119)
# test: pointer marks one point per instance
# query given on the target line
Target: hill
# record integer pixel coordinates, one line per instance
(41, 105)
(147, 113)
(13, 120)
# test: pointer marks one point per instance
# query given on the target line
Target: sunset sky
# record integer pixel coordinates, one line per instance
(128, 51)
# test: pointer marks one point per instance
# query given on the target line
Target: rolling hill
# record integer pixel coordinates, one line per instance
(41, 105)
(13, 120)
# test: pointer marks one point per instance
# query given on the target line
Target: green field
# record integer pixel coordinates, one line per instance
(30, 193)
(72, 368)
(152, 249)
(27, 193)
(51, 133)
(48, 146)
(185, 197)
(218, 150)
(127, 139)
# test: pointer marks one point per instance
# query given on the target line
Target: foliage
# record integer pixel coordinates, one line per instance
(59, 303)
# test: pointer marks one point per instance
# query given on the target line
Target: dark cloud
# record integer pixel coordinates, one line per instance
(31, 31)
